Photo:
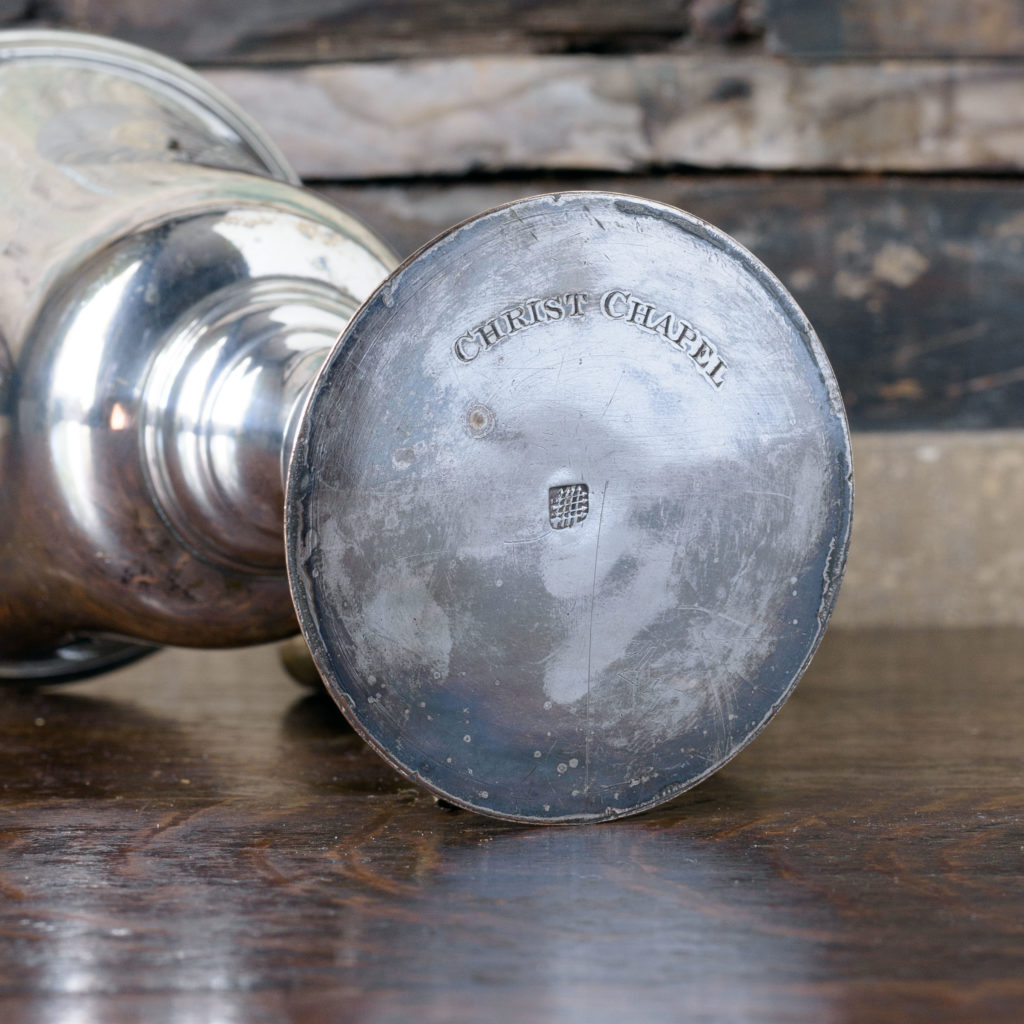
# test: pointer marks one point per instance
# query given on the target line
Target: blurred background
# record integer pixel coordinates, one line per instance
(868, 151)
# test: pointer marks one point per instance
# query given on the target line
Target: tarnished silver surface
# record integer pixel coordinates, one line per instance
(166, 297)
(569, 503)
(569, 508)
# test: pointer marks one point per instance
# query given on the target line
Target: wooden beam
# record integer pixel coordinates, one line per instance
(306, 31)
(936, 536)
(315, 30)
(895, 28)
(514, 113)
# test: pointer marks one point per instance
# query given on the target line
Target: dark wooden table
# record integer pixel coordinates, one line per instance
(196, 839)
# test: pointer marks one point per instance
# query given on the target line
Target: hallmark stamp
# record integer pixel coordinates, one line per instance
(568, 505)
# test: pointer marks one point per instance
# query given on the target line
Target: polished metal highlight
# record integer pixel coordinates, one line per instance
(568, 503)
(167, 294)
(569, 509)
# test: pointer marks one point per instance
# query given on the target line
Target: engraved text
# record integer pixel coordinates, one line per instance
(518, 318)
(621, 305)
(616, 304)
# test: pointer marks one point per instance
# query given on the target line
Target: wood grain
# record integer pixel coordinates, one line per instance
(637, 113)
(895, 28)
(936, 539)
(218, 31)
(317, 30)
(913, 286)
(195, 839)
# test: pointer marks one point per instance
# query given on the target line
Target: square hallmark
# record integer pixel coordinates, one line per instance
(568, 505)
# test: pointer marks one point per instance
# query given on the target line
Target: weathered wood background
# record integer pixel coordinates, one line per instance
(869, 151)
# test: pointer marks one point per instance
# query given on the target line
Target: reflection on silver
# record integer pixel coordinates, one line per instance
(166, 297)
(568, 508)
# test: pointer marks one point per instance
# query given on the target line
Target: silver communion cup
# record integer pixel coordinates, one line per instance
(563, 514)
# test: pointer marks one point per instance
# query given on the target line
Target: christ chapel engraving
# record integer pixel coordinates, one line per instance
(615, 304)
